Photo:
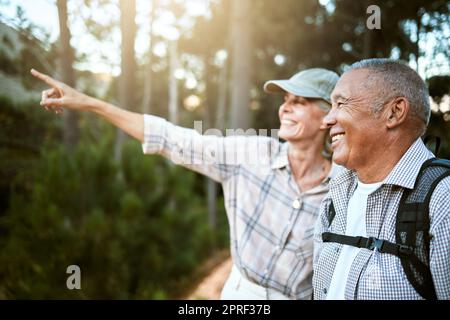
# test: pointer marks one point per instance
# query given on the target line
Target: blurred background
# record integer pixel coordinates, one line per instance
(75, 191)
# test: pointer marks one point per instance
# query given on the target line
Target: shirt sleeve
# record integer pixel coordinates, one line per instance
(440, 239)
(212, 155)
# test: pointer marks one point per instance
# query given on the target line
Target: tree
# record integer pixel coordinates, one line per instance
(173, 85)
(66, 58)
(213, 53)
(127, 82)
(147, 99)
(241, 74)
(402, 26)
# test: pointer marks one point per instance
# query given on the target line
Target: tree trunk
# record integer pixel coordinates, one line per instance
(147, 100)
(222, 97)
(418, 31)
(66, 59)
(368, 48)
(173, 86)
(128, 66)
(221, 125)
(241, 64)
(215, 119)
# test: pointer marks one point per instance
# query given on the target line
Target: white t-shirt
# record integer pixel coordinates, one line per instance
(356, 226)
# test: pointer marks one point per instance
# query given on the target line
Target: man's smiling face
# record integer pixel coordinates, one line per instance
(355, 130)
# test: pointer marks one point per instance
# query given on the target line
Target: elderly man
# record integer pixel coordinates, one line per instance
(383, 229)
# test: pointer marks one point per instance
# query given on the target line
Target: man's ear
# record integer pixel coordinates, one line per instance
(396, 112)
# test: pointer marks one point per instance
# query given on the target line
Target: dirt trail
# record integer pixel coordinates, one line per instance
(210, 287)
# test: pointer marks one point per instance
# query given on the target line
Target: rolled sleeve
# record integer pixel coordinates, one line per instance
(208, 155)
(154, 133)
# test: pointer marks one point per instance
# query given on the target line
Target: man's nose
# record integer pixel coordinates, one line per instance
(329, 120)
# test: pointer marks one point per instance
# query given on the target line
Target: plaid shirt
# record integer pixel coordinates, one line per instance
(375, 275)
(271, 221)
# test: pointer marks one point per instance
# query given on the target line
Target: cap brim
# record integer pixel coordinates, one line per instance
(280, 86)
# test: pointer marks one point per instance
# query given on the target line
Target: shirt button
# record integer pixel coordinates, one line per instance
(266, 271)
(325, 290)
(296, 204)
(277, 249)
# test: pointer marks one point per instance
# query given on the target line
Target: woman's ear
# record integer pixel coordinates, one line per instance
(396, 112)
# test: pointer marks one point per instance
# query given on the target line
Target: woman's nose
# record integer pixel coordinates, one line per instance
(285, 108)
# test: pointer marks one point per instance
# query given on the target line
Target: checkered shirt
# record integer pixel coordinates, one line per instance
(271, 221)
(375, 275)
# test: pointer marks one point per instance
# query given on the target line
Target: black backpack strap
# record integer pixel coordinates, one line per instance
(370, 243)
(413, 223)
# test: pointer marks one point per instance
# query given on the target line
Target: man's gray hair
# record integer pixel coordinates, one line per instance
(393, 79)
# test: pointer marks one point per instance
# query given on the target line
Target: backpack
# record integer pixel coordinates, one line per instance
(412, 238)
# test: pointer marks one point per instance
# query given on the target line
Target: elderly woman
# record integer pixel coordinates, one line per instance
(272, 189)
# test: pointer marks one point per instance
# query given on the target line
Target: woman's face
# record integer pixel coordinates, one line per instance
(300, 119)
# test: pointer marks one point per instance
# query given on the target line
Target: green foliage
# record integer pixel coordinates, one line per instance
(21, 50)
(7, 64)
(23, 128)
(137, 231)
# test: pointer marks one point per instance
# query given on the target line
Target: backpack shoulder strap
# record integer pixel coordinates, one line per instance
(413, 223)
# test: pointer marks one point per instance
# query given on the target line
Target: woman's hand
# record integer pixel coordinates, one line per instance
(61, 95)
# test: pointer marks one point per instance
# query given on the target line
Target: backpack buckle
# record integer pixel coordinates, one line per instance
(373, 243)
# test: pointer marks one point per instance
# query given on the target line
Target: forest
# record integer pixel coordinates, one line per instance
(76, 191)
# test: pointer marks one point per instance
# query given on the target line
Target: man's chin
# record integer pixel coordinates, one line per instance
(339, 160)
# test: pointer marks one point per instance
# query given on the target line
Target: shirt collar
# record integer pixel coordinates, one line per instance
(281, 160)
(406, 170)
(404, 173)
(335, 171)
